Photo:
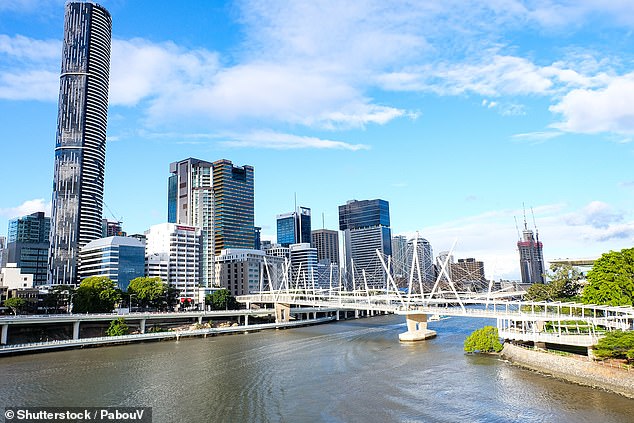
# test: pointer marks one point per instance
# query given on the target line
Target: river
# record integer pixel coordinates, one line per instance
(349, 371)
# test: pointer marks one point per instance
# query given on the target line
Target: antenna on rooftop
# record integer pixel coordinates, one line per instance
(323, 220)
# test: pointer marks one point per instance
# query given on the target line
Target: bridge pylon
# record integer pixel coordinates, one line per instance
(416, 329)
(282, 313)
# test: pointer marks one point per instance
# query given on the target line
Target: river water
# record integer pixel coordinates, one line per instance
(349, 371)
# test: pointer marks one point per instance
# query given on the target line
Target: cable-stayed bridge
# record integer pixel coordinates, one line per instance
(538, 322)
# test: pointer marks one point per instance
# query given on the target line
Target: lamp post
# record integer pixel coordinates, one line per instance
(130, 301)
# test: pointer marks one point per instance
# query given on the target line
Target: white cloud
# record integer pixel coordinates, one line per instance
(607, 109)
(539, 136)
(287, 141)
(28, 207)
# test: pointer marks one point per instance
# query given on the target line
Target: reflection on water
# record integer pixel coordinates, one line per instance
(344, 372)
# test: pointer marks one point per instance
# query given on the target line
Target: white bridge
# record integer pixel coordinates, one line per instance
(538, 322)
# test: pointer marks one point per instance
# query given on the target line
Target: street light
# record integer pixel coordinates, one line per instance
(130, 301)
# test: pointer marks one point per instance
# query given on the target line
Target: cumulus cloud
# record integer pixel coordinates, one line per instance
(28, 207)
(607, 109)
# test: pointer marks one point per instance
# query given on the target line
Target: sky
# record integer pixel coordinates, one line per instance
(461, 114)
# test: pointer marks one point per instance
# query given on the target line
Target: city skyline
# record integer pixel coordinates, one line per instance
(456, 130)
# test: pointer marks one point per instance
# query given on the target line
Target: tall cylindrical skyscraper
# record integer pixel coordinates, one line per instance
(80, 150)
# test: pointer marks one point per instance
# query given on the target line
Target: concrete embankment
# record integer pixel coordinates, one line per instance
(573, 369)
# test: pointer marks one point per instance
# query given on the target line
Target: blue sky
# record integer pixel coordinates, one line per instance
(457, 112)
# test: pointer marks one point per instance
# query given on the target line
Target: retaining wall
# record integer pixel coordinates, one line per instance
(577, 370)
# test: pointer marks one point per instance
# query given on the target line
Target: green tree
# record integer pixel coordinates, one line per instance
(611, 279)
(148, 292)
(117, 328)
(221, 300)
(616, 344)
(484, 340)
(563, 285)
(15, 304)
(96, 294)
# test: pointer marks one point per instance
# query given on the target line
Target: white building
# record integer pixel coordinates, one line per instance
(303, 266)
(172, 252)
(11, 277)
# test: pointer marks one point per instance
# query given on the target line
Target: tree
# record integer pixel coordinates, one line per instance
(15, 304)
(616, 344)
(611, 279)
(149, 292)
(563, 285)
(118, 328)
(221, 300)
(484, 340)
(58, 298)
(96, 294)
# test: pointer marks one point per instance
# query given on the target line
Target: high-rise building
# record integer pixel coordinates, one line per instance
(28, 245)
(531, 257)
(400, 259)
(326, 242)
(233, 206)
(468, 271)
(303, 266)
(294, 227)
(80, 151)
(366, 228)
(425, 262)
(172, 252)
(191, 202)
(3, 251)
(111, 228)
(119, 258)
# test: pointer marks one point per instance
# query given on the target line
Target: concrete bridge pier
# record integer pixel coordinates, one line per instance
(416, 329)
(76, 330)
(142, 326)
(5, 333)
(282, 313)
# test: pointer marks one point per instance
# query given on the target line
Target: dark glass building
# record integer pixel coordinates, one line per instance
(233, 206)
(80, 150)
(366, 230)
(119, 258)
(294, 227)
(28, 245)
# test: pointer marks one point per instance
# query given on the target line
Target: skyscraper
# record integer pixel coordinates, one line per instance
(326, 242)
(190, 202)
(233, 206)
(425, 260)
(28, 245)
(366, 227)
(531, 257)
(80, 150)
(294, 227)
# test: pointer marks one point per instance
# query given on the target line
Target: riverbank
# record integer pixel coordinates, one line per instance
(37, 347)
(572, 369)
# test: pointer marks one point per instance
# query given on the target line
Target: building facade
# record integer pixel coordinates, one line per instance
(234, 213)
(468, 272)
(172, 253)
(366, 228)
(303, 259)
(294, 227)
(531, 257)
(425, 260)
(326, 242)
(239, 270)
(80, 151)
(119, 258)
(111, 228)
(191, 202)
(29, 244)
(3, 251)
